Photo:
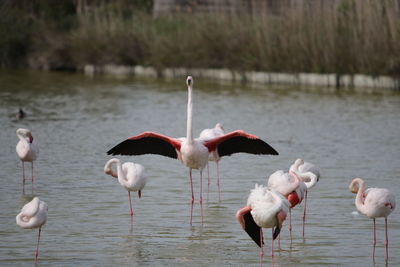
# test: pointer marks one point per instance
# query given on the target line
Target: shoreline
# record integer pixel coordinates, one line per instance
(353, 82)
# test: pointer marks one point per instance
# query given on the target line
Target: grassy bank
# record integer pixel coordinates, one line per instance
(348, 36)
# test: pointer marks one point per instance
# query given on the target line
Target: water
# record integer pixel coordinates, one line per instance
(76, 119)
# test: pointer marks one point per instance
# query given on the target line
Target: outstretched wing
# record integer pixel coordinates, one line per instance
(239, 141)
(148, 143)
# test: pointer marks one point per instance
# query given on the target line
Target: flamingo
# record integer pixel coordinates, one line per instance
(130, 175)
(208, 134)
(33, 215)
(265, 209)
(27, 150)
(193, 153)
(373, 203)
(310, 183)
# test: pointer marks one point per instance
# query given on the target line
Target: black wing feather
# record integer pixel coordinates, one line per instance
(145, 145)
(239, 144)
(252, 229)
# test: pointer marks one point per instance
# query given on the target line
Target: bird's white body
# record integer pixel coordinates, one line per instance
(130, 175)
(265, 204)
(208, 134)
(282, 182)
(33, 214)
(194, 154)
(27, 149)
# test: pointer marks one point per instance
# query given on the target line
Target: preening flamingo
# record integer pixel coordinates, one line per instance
(193, 153)
(27, 150)
(265, 209)
(208, 134)
(373, 203)
(33, 215)
(130, 175)
(309, 175)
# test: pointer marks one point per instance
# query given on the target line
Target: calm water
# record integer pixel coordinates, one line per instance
(76, 119)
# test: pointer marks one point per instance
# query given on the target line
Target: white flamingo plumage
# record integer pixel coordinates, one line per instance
(27, 150)
(208, 134)
(130, 175)
(265, 209)
(193, 153)
(33, 215)
(373, 203)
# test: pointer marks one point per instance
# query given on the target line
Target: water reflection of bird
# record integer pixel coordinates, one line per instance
(374, 203)
(20, 114)
(193, 153)
(208, 134)
(130, 175)
(27, 150)
(265, 209)
(33, 215)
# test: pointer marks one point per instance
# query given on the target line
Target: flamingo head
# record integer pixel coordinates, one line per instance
(189, 81)
(354, 187)
(29, 137)
(293, 199)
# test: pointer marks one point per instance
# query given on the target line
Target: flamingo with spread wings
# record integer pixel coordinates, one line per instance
(193, 153)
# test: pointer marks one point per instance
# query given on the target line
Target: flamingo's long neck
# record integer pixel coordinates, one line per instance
(189, 134)
(359, 197)
(23, 138)
(121, 173)
(308, 175)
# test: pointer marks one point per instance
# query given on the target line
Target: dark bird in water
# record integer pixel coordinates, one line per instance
(21, 114)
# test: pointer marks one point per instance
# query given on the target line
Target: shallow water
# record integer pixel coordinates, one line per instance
(76, 119)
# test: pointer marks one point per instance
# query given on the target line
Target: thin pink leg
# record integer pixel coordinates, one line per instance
(23, 173)
(387, 240)
(261, 246)
(272, 242)
(191, 188)
(130, 203)
(208, 181)
(218, 182)
(290, 224)
(201, 195)
(304, 213)
(37, 244)
(374, 242)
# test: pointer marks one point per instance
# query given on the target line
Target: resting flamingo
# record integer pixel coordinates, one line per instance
(27, 150)
(208, 134)
(310, 182)
(193, 153)
(265, 209)
(373, 203)
(33, 215)
(130, 175)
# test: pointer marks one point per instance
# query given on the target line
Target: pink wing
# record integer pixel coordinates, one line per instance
(148, 143)
(239, 141)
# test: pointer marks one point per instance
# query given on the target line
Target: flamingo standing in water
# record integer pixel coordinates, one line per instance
(193, 153)
(27, 150)
(373, 203)
(130, 175)
(265, 209)
(33, 215)
(310, 182)
(208, 134)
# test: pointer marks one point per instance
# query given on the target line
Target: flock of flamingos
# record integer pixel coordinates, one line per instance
(267, 206)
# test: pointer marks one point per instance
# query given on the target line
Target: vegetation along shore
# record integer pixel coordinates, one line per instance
(323, 37)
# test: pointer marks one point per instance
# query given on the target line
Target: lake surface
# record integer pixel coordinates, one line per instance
(75, 119)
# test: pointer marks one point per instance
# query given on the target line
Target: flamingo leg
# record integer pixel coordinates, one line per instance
(272, 242)
(208, 181)
(279, 242)
(290, 224)
(23, 173)
(201, 195)
(386, 241)
(374, 241)
(32, 173)
(218, 181)
(304, 213)
(261, 246)
(191, 188)
(130, 203)
(37, 244)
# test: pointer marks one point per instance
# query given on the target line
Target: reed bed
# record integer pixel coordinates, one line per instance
(342, 36)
